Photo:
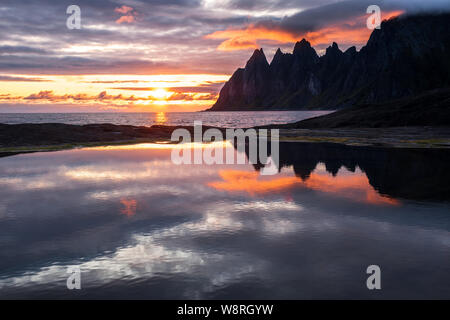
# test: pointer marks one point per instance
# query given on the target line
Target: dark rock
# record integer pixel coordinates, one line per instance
(407, 56)
(428, 109)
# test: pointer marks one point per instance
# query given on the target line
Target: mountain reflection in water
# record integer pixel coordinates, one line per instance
(139, 226)
(420, 174)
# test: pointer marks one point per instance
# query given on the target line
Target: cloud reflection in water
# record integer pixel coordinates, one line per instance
(139, 226)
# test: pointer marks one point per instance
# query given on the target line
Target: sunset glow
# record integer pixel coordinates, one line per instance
(188, 152)
(353, 32)
(127, 58)
(113, 92)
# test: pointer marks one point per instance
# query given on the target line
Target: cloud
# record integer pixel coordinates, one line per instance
(21, 49)
(114, 81)
(178, 96)
(47, 95)
(207, 87)
(8, 96)
(247, 38)
(85, 64)
(168, 36)
(342, 22)
(50, 96)
(238, 42)
(22, 79)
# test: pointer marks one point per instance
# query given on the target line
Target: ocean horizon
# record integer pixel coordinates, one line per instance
(229, 119)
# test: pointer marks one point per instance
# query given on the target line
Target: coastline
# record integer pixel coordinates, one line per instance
(395, 137)
(25, 138)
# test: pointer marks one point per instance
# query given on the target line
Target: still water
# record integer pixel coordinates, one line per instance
(139, 226)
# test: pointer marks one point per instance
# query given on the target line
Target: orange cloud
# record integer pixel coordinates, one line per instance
(346, 32)
(238, 43)
(239, 39)
(392, 14)
(104, 97)
(177, 96)
(9, 97)
(350, 33)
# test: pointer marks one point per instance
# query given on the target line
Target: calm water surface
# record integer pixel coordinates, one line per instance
(218, 119)
(139, 226)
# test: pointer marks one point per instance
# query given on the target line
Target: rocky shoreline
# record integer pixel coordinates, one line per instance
(397, 137)
(18, 138)
(21, 138)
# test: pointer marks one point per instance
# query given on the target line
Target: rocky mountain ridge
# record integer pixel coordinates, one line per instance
(407, 56)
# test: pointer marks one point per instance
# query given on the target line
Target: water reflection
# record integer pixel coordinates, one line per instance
(129, 207)
(160, 118)
(139, 226)
(420, 174)
(354, 185)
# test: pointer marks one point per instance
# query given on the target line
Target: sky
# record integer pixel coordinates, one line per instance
(160, 55)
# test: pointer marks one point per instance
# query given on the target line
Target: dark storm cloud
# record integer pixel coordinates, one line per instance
(277, 5)
(329, 14)
(343, 22)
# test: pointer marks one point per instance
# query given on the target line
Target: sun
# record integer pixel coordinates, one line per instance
(160, 94)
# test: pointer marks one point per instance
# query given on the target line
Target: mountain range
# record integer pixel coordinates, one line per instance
(407, 56)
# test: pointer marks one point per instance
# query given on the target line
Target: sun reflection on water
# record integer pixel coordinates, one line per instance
(160, 118)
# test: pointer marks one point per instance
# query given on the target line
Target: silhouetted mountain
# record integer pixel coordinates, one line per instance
(407, 56)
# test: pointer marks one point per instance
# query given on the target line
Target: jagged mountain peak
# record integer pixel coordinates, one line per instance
(334, 47)
(380, 71)
(304, 51)
(302, 46)
(278, 57)
(278, 54)
(333, 50)
(350, 51)
(258, 57)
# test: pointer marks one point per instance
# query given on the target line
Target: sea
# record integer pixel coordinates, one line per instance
(217, 119)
